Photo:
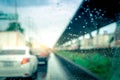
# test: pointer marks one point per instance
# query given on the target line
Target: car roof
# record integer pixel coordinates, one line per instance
(16, 48)
(27, 49)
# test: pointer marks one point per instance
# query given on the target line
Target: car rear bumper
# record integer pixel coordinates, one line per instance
(43, 60)
(22, 71)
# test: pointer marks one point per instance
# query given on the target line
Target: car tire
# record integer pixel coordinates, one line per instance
(28, 78)
(34, 76)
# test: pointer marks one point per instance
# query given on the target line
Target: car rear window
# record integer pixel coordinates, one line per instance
(14, 52)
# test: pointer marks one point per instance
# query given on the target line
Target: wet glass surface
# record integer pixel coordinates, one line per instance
(85, 32)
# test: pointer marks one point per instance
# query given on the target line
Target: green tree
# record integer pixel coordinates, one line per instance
(15, 26)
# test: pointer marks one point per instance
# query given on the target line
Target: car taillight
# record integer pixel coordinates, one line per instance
(25, 60)
(43, 54)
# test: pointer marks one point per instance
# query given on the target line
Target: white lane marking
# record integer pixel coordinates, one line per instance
(55, 70)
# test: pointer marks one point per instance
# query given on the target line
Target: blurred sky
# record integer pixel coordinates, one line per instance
(45, 20)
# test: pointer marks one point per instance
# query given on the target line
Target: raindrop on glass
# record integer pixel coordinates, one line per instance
(91, 15)
(92, 19)
(82, 13)
(100, 10)
(83, 26)
(102, 14)
(76, 19)
(79, 16)
(95, 9)
(69, 28)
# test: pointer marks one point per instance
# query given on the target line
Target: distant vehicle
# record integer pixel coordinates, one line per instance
(42, 55)
(18, 62)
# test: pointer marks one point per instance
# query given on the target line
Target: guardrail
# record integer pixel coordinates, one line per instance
(112, 52)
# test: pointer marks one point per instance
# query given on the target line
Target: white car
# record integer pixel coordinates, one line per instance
(18, 62)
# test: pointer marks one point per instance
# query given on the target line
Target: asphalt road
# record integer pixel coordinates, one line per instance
(53, 71)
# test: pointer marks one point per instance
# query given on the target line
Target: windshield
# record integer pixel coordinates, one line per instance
(81, 38)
